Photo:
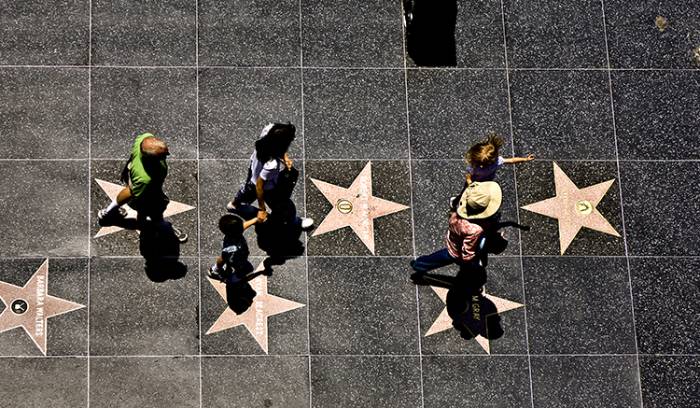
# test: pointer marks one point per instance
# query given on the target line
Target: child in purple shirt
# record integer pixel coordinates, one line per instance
(483, 160)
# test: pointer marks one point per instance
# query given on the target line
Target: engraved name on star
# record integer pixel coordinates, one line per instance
(444, 321)
(255, 318)
(30, 306)
(574, 207)
(112, 189)
(355, 207)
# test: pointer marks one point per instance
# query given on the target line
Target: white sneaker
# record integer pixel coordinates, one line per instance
(307, 223)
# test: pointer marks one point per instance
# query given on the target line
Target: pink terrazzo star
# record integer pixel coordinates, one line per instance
(255, 318)
(444, 321)
(574, 208)
(355, 207)
(112, 189)
(30, 306)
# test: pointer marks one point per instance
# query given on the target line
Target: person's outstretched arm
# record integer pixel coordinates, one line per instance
(514, 160)
(249, 223)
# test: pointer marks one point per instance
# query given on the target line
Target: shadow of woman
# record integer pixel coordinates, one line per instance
(471, 312)
(279, 236)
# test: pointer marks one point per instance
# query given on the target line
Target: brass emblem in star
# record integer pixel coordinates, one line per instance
(255, 318)
(444, 321)
(112, 189)
(355, 207)
(30, 306)
(574, 208)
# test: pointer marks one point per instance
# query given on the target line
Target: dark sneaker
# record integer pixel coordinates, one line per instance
(181, 236)
(105, 218)
(230, 206)
(417, 277)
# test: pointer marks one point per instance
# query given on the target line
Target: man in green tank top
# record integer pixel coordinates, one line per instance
(146, 170)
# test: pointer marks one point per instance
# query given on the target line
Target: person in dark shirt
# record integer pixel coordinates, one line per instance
(232, 265)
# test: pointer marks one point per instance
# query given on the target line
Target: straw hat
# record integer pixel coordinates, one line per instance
(480, 200)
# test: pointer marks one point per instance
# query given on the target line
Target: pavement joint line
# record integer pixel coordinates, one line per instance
(303, 166)
(410, 181)
(622, 206)
(294, 67)
(517, 204)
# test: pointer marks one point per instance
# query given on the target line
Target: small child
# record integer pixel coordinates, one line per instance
(483, 159)
(232, 265)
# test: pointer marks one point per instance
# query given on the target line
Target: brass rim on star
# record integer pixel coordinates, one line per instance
(584, 207)
(344, 206)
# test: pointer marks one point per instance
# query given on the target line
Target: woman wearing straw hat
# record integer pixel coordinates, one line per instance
(478, 203)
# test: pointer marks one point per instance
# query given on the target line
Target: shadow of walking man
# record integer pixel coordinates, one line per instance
(160, 249)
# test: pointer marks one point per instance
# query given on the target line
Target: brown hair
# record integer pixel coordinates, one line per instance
(486, 152)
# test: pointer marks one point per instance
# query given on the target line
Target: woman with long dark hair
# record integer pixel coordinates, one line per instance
(269, 160)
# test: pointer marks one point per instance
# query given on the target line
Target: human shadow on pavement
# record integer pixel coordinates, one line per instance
(471, 312)
(160, 249)
(279, 236)
(430, 32)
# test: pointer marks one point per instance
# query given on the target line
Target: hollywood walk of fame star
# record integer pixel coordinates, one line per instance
(30, 306)
(112, 189)
(255, 318)
(444, 321)
(574, 208)
(355, 207)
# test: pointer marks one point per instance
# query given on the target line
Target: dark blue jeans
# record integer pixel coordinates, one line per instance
(426, 263)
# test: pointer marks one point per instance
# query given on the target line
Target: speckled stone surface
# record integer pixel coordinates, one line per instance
(229, 123)
(180, 185)
(128, 102)
(656, 114)
(144, 382)
(356, 381)
(451, 110)
(665, 304)
(330, 31)
(255, 382)
(392, 232)
(44, 208)
(63, 382)
(55, 128)
(635, 40)
(504, 280)
(434, 182)
(536, 183)
(385, 323)
(355, 114)
(138, 316)
(562, 115)
(669, 382)
(249, 33)
(36, 32)
(479, 34)
(600, 381)
(458, 381)
(132, 32)
(661, 216)
(67, 333)
(612, 322)
(287, 332)
(555, 34)
(577, 306)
